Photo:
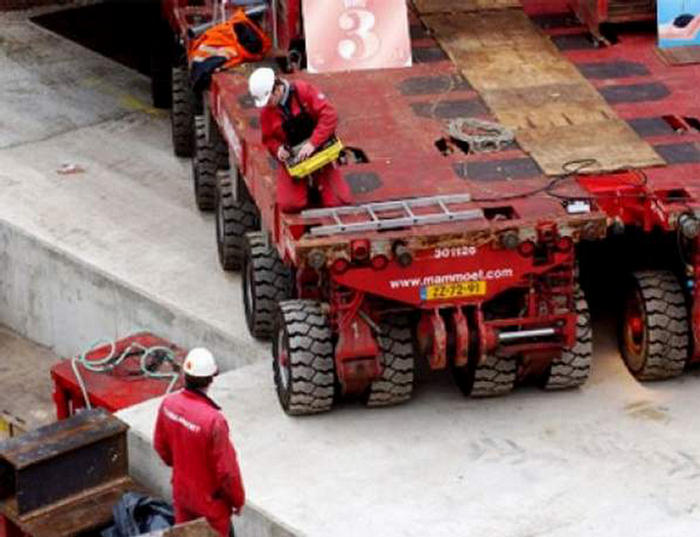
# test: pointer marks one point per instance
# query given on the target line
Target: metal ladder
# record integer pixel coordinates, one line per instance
(383, 215)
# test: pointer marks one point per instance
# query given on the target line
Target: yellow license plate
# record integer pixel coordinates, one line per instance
(453, 290)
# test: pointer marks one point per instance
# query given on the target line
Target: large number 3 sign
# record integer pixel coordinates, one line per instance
(360, 41)
(343, 35)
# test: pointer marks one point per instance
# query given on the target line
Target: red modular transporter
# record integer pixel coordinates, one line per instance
(465, 258)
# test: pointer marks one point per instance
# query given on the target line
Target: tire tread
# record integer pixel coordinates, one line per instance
(572, 368)
(182, 112)
(312, 373)
(271, 285)
(668, 330)
(395, 385)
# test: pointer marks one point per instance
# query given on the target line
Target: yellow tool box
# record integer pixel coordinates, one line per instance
(326, 154)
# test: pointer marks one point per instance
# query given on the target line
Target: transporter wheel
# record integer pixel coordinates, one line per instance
(182, 112)
(234, 218)
(266, 282)
(397, 356)
(303, 358)
(209, 156)
(654, 330)
(494, 376)
(572, 367)
(203, 168)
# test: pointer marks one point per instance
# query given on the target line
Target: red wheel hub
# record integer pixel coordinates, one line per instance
(283, 357)
(636, 326)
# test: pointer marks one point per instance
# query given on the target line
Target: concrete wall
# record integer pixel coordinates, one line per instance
(59, 301)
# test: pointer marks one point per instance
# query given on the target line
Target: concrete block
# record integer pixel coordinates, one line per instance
(59, 301)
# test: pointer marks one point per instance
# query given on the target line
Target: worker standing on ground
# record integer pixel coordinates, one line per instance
(297, 114)
(192, 437)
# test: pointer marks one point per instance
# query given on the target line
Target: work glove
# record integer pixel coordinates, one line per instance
(306, 151)
(282, 154)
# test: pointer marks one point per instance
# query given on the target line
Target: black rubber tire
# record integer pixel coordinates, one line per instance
(207, 159)
(266, 282)
(494, 376)
(305, 382)
(234, 218)
(572, 367)
(182, 112)
(397, 356)
(663, 350)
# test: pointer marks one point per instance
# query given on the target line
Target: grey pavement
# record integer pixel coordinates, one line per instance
(130, 213)
(615, 458)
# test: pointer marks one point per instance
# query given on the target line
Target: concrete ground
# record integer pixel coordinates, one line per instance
(615, 458)
(128, 214)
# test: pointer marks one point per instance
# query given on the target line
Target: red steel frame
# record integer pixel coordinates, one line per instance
(115, 390)
(181, 15)
(596, 12)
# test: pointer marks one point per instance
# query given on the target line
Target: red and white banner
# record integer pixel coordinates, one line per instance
(348, 35)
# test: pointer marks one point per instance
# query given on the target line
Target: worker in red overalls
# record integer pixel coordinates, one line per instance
(192, 437)
(293, 114)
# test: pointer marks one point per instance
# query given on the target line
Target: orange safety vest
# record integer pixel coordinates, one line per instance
(228, 39)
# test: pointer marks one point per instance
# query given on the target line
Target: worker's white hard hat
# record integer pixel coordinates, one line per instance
(200, 363)
(260, 85)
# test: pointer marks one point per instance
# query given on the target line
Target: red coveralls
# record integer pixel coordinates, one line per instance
(293, 195)
(192, 437)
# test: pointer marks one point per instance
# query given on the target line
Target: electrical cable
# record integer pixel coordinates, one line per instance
(582, 164)
(112, 360)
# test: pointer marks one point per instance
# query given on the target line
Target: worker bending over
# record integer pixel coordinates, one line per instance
(297, 114)
(192, 437)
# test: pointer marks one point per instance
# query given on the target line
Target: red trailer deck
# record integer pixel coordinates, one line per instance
(396, 117)
(490, 288)
(123, 386)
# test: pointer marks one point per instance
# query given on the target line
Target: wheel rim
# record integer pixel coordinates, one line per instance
(634, 332)
(283, 360)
